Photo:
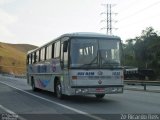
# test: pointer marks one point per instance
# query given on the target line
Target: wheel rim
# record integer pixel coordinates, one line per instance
(58, 90)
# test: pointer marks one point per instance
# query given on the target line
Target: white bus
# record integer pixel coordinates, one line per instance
(77, 64)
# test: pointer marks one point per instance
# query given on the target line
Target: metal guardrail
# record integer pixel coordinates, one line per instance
(142, 82)
(14, 76)
(21, 76)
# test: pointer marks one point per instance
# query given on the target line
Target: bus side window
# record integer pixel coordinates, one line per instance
(65, 53)
(42, 54)
(57, 49)
(49, 52)
(29, 58)
(65, 46)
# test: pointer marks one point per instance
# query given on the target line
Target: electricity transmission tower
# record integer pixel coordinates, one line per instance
(108, 12)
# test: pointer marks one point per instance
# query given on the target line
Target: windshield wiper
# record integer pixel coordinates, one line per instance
(91, 63)
(111, 66)
(110, 62)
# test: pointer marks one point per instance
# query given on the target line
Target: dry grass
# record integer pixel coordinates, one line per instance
(13, 57)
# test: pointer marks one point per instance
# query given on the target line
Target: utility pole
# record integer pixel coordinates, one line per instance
(108, 12)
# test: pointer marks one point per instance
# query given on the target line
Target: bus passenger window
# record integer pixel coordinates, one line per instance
(42, 54)
(49, 52)
(29, 58)
(57, 49)
(32, 58)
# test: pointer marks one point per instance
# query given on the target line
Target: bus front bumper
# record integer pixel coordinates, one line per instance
(97, 90)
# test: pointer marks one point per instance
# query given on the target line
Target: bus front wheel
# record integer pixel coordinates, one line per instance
(99, 96)
(59, 90)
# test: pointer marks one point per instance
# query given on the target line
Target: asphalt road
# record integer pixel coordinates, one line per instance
(17, 98)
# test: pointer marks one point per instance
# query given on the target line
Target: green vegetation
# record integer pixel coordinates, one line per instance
(13, 57)
(143, 51)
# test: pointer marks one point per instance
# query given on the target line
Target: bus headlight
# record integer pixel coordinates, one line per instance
(120, 89)
(78, 91)
(81, 91)
(84, 90)
(115, 90)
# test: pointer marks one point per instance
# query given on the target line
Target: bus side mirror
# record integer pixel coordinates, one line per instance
(65, 46)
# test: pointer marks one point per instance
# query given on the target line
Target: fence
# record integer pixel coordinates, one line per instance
(143, 83)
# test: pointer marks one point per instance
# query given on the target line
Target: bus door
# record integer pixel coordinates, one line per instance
(64, 65)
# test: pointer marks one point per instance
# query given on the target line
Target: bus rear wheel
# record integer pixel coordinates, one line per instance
(59, 90)
(99, 96)
(33, 84)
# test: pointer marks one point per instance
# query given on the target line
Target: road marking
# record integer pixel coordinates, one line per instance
(65, 106)
(13, 114)
(7, 110)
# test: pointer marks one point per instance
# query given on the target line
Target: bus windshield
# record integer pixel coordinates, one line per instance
(94, 53)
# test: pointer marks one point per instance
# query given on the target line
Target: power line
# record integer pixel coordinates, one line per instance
(128, 6)
(139, 11)
(150, 17)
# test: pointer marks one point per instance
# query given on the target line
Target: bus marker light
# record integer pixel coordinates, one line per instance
(74, 77)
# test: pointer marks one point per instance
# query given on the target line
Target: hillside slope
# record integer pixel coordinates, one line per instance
(13, 57)
(23, 47)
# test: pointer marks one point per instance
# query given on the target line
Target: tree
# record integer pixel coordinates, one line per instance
(144, 51)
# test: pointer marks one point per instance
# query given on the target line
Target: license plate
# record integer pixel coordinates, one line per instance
(99, 90)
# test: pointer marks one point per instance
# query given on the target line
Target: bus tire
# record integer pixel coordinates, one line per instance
(99, 96)
(59, 90)
(33, 84)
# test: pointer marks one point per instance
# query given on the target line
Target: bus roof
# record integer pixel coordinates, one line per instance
(80, 34)
(88, 34)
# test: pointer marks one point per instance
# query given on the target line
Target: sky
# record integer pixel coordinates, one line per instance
(39, 21)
